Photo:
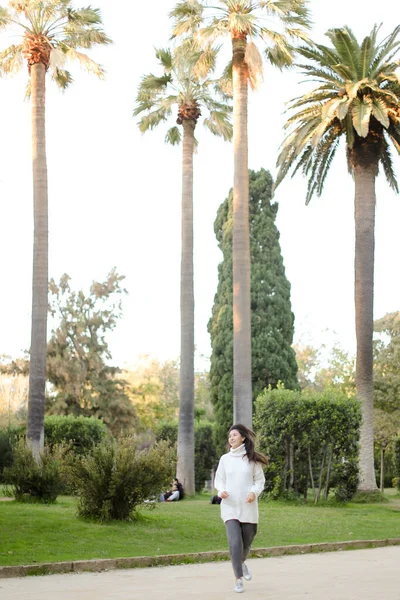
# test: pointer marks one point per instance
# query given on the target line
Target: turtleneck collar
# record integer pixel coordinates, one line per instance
(238, 452)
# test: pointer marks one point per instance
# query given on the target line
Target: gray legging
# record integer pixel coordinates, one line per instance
(240, 537)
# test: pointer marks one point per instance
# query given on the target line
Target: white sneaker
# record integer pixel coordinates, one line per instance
(238, 586)
(246, 572)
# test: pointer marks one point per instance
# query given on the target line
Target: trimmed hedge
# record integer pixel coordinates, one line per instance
(82, 432)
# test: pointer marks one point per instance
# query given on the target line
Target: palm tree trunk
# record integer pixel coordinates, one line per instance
(364, 215)
(185, 466)
(37, 371)
(242, 392)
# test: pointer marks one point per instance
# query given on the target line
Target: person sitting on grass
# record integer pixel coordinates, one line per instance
(175, 493)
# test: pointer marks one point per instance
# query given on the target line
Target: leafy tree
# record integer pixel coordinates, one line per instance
(77, 353)
(185, 84)
(13, 397)
(153, 389)
(308, 362)
(273, 358)
(51, 32)
(387, 363)
(386, 429)
(277, 25)
(336, 371)
(358, 99)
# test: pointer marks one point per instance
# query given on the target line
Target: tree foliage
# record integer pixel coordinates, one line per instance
(317, 372)
(78, 352)
(52, 31)
(357, 98)
(387, 363)
(205, 456)
(307, 436)
(272, 320)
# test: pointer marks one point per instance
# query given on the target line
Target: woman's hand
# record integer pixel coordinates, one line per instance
(251, 497)
(224, 495)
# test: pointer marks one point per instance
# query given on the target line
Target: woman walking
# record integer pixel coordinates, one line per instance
(239, 481)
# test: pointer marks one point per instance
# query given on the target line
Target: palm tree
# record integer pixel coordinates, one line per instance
(51, 32)
(358, 98)
(185, 85)
(244, 21)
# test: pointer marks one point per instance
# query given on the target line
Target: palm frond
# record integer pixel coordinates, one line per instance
(289, 11)
(326, 153)
(321, 74)
(5, 17)
(353, 87)
(206, 62)
(153, 84)
(219, 124)
(385, 50)
(57, 58)
(367, 52)
(187, 16)
(84, 17)
(86, 62)
(350, 137)
(255, 66)
(387, 164)
(62, 77)
(361, 113)
(321, 55)
(84, 38)
(223, 85)
(346, 45)
(380, 111)
(11, 60)
(394, 134)
(173, 136)
(243, 23)
(164, 55)
(153, 119)
(281, 54)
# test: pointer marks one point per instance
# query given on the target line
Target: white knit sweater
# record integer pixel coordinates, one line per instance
(237, 476)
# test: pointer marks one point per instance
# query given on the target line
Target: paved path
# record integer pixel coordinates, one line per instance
(353, 575)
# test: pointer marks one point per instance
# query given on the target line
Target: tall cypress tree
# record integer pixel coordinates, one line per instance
(272, 320)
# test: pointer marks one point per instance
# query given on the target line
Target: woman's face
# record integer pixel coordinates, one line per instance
(235, 439)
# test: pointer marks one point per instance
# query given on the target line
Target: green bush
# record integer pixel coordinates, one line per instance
(307, 436)
(396, 461)
(346, 480)
(204, 449)
(114, 478)
(33, 482)
(82, 432)
(8, 438)
(204, 453)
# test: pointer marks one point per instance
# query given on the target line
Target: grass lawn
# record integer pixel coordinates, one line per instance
(33, 533)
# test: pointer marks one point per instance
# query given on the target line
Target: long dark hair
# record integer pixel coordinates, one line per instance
(249, 442)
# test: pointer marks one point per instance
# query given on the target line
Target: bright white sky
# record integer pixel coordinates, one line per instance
(114, 197)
